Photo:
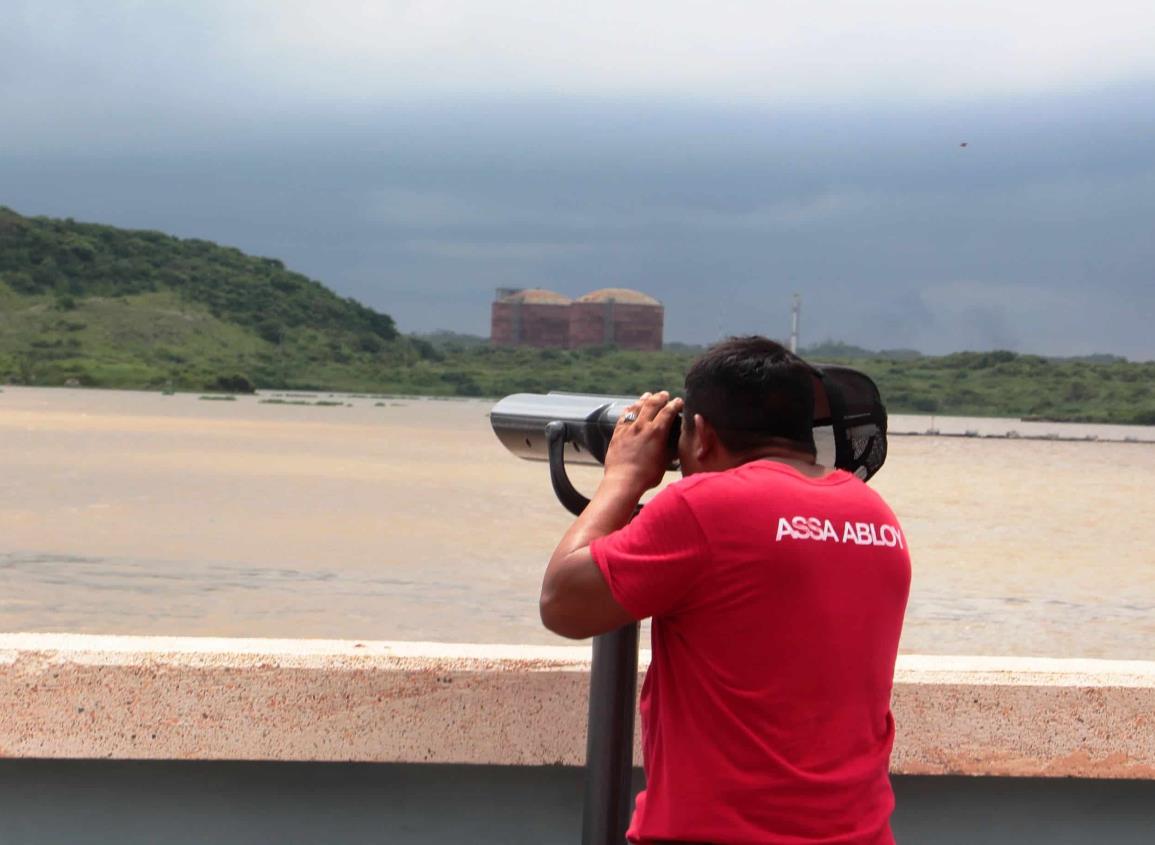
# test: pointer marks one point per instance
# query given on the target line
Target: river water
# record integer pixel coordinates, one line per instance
(386, 518)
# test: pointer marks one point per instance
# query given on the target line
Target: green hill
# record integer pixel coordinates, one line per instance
(115, 307)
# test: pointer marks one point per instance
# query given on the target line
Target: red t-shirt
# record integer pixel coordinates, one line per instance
(777, 602)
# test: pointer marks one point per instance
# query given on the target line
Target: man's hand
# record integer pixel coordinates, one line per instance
(576, 601)
(639, 450)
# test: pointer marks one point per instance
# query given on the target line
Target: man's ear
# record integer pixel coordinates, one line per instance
(706, 439)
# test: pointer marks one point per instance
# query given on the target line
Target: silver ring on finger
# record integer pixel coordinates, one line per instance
(630, 416)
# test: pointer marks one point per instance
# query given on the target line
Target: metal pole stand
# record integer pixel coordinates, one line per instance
(613, 690)
(610, 737)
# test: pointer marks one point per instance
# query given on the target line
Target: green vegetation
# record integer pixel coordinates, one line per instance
(68, 261)
(106, 307)
(997, 384)
(489, 371)
(1005, 384)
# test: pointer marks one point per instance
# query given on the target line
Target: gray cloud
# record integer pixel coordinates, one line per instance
(687, 183)
(734, 51)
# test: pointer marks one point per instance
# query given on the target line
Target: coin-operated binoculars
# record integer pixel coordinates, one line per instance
(562, 428)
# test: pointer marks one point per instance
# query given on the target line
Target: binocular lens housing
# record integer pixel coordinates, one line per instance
(849, 423)
(519, 422)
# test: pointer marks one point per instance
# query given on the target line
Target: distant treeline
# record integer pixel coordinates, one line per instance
(105, 307)
(998, 383)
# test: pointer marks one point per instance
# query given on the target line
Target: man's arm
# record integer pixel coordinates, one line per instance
(576, 601)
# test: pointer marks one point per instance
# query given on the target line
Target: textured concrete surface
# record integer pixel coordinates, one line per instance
(82, 697)
(1025, 717)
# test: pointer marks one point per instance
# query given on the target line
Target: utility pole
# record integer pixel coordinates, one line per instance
(794, 323)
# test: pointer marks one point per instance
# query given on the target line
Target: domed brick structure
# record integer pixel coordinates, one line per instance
(621, 317)
(533, 317)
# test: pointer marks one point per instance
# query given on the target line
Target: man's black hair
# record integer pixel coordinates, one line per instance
(755, 393)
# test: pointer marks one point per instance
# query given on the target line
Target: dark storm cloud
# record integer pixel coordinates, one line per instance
(1034, 236)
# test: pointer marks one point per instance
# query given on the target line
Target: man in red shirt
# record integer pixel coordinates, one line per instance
(777, 589)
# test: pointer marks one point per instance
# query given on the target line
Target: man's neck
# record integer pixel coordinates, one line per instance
(804, 462)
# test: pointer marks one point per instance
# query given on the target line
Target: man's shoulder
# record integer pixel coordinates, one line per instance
(762, 474)
(707, 491)
(771, 482)
(700, 484)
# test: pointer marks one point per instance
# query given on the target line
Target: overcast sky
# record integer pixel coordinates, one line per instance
(416, 155)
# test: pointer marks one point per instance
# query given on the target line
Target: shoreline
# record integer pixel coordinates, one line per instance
(971, 425)
(300, 393)
(1012, 435)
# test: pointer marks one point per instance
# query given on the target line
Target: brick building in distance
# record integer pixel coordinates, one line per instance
(541, 318)
(534, 317)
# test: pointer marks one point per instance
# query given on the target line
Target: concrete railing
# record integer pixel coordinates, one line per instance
(133, 698)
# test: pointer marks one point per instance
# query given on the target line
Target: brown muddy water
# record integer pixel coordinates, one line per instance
(137, 513)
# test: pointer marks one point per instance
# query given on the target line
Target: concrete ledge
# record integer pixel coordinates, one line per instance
(83, 697)
(1041, 717)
